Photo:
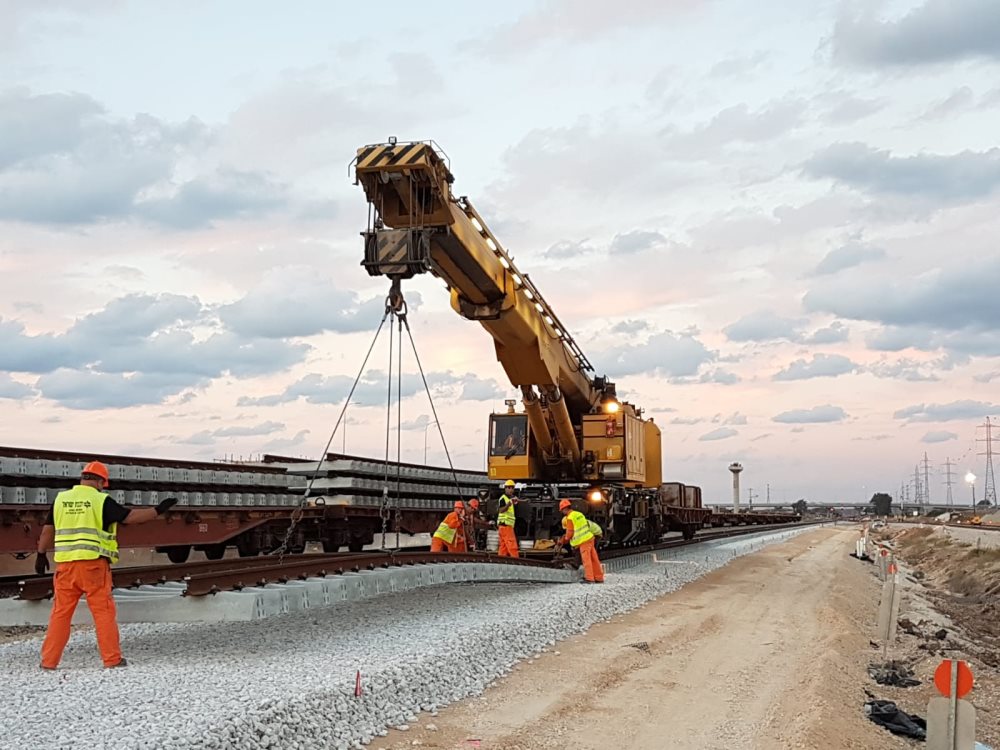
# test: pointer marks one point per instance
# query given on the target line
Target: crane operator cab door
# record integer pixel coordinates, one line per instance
(510, 447)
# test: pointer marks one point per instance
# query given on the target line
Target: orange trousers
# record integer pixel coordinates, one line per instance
(592, 568)
(440, 545)
(508, 542)
(90, 578)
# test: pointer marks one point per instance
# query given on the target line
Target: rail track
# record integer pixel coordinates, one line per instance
(952, 524)
(213, 576)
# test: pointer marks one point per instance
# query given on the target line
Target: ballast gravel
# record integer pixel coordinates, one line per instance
(289, 681)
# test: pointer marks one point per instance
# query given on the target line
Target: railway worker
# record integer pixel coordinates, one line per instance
(473, 522)
(450, 530)
(580, 535)
(82, 526)
(505, 521)
(463, 538)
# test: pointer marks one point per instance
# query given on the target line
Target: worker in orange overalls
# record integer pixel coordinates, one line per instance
(506, 520)
(580, 536)
(463, 539)
(474, 522)
(82, 526)
(451, 532)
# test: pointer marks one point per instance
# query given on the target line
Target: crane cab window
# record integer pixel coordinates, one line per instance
(508, 435)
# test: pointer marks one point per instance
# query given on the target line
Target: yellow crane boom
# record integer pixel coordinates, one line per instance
(417, 225)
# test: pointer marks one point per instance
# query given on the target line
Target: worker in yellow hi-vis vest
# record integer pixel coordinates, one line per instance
(506, 520)
(450, 534)
(580, 535)
(82, 526)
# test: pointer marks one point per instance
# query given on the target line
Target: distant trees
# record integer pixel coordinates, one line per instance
(800, 506)
(881, 503)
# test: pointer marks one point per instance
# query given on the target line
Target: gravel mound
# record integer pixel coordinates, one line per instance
(288, 682)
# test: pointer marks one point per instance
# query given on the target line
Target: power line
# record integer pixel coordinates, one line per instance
(948, 474)
(990, 490)
(927, 484)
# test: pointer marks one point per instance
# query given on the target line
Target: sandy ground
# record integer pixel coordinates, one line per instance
(988, 539)
(767, 652)
(951, 589)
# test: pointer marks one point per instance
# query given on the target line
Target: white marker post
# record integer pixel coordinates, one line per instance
(951, 721)
(888, 611)
(883, 563)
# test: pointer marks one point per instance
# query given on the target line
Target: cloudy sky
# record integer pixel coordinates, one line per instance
(774, 224)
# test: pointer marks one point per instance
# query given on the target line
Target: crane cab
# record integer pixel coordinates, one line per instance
(511, 447)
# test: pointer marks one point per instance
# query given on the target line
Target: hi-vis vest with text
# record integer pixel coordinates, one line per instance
(581, 528)
(505, 517)
(79, 529)
(445, 532)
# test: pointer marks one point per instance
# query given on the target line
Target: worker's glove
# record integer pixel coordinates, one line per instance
(164, 505)
(41, 564)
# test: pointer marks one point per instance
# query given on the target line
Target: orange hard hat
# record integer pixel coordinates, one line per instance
(564, 504)
(97, 469)
(474, 504)
(459, 505)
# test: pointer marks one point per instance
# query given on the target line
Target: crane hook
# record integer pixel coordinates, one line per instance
(394, 302)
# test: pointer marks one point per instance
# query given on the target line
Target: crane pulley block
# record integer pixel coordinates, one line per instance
(397, 253)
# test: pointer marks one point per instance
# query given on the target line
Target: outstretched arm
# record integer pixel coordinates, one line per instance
(47, 537)
(144, 515)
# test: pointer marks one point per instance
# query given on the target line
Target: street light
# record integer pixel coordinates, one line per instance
(971, 479)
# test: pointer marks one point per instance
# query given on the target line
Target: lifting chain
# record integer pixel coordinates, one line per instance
(389, 507)
(398, 522)
(383, 513)
(395, 309)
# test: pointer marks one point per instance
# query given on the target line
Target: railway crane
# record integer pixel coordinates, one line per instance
(573, 437)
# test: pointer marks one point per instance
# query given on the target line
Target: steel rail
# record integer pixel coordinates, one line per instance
(212, 576)
(202, 584)
(34, 587)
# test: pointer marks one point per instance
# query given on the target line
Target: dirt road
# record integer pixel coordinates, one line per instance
(768, 652)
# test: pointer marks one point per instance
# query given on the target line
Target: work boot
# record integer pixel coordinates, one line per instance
(122, 663)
